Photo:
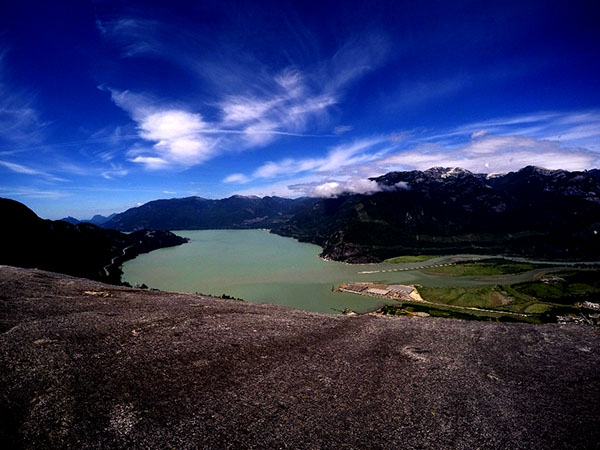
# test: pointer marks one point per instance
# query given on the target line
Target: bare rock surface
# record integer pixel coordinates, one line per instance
(90, 365)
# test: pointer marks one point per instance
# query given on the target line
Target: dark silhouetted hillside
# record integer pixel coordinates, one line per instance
(83, 250)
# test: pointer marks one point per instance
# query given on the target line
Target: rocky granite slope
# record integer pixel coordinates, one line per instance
(90, 365)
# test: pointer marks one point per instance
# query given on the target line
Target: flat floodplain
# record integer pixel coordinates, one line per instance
(258, 266)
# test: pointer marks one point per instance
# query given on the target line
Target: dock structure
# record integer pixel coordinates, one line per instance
(391, 291)
(401, 288)
(354, 288)
(377, 292)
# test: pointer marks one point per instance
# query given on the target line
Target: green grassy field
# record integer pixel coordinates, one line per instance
(478, 296)
(410, 258)
(489, 267)
(542, 300)
(407, 308)
(578, 286)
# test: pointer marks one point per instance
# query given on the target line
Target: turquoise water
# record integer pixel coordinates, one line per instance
(262, 267)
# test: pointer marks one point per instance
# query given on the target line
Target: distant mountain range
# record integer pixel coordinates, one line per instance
(551, 214)
(197, 213)
(533, 212)
(96, 220)
(83, 250)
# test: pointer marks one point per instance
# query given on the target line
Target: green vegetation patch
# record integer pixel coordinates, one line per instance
(488, 267)
(409, 308)
(499, 298)
(539, 308)
(554, 294)
(410, 258)
(564, 288)
(477, 296)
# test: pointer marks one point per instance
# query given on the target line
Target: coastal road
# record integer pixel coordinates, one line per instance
(112, 261)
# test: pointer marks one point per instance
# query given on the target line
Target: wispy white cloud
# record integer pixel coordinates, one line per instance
(253, 103)
(236, 178)
(288, 107)
(355, 58)
(22, 133)
(347, 168)
(18, 168)
(115, 171)
(494, 154)
(19, 120)
(178, 137)
(295, 99)
(354, 153)
(28, 192)
(181, 138)
(569, 128)
(112, 139)
(135, 36)
(341, 129)
(26, 170)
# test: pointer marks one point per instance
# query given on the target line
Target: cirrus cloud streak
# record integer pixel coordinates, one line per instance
(346, 169)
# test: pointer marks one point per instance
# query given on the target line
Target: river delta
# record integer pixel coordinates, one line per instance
(258, 266)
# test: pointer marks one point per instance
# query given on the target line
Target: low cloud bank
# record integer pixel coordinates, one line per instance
(334, 188)
(493, 154)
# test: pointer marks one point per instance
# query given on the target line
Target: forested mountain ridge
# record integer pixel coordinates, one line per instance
(197, 213)
(533, 212)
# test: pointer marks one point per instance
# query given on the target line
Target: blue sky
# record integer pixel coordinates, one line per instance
(105, 105)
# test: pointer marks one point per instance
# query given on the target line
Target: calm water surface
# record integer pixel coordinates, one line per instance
(262, 267)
